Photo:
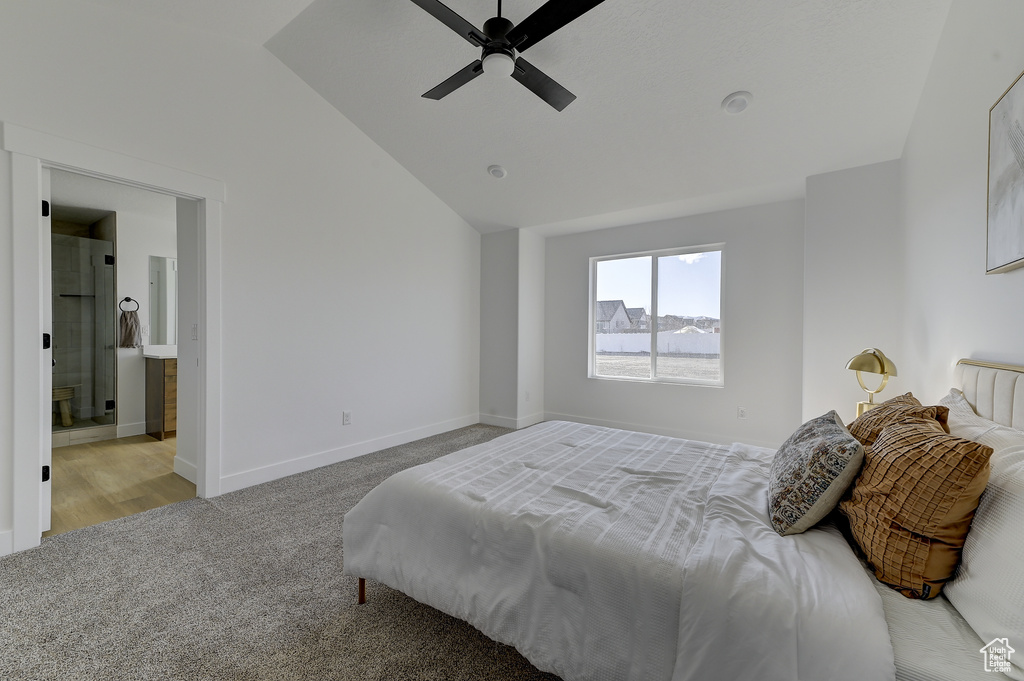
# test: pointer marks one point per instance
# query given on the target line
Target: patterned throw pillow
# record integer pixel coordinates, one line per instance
(869, 424)
(912, 505)
(810, 472)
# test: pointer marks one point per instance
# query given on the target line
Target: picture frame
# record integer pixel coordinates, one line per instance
(1005, 207)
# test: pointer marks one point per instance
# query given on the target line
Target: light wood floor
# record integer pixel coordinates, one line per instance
(99, 481)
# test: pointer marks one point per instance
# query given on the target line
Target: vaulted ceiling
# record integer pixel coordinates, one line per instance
(835, 84)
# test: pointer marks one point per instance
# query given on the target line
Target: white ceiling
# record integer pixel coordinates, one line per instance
(251, 21)
(835, 85)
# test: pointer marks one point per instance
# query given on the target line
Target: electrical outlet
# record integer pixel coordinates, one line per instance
(346, 418)
(741, 412)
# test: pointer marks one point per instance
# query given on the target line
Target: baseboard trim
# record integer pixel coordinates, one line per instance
(186, 469)
(131, 429)
(509, 422)
(6, 543)
(500, 421)
(256, 476)
(530, 420)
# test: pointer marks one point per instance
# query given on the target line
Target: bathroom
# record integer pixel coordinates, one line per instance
(113, 255)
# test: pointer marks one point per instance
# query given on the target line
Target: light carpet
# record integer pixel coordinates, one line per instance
(243, 586)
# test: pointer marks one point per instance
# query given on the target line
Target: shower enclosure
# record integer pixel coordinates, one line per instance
(84, 330)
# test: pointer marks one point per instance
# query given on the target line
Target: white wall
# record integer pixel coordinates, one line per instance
(189, 220)
(138, 237)
(762, 307)
(530, 368)
(324, 235)
(953, 308)
(499, 327)
(853, 285)
(512, 328)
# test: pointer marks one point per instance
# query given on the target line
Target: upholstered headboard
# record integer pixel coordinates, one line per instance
(996, 391)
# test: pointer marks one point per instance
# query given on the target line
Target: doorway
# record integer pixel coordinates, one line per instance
(113, 312)
(199, 203)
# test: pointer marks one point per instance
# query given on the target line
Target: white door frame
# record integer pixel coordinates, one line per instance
(31, 151)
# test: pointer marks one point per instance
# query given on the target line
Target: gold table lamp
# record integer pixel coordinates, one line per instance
(872, 361)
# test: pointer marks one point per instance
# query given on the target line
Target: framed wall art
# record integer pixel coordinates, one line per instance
(1005, 248)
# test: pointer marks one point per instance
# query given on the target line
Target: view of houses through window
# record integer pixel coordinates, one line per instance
(681, 289)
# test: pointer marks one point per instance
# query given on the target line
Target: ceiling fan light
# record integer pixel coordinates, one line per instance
(499, 64)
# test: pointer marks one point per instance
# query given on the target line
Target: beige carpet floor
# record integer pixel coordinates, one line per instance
(245, 586)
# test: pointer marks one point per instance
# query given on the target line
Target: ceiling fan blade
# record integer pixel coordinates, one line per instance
(549, 17)
(542, 85)
(456, 81)
(449, 18)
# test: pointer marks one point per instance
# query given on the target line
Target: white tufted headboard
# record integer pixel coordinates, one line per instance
(996, 391)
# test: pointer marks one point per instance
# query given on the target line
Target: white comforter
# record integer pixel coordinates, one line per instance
(604, 554)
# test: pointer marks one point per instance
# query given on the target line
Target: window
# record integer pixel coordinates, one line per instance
(656, 316)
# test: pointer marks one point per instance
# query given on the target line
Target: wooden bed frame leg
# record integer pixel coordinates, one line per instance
(362, 590)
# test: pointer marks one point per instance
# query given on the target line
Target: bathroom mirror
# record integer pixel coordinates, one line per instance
(163, 300)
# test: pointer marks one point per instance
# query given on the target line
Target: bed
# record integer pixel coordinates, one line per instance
(608, 554)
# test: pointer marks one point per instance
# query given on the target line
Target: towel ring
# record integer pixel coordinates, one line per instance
(128, 300)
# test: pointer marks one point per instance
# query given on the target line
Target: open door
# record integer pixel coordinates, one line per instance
(46, 380)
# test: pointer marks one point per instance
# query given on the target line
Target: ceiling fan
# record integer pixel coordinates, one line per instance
(502, 41)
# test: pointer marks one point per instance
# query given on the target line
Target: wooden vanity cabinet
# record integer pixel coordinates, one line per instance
(161, 397)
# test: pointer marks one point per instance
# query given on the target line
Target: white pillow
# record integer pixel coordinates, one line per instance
(963, 421)
(988, 588)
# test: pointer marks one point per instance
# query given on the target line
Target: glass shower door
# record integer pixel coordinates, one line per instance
(84, 332)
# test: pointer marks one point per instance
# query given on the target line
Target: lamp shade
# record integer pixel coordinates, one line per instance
(499, 64)
(872, 361)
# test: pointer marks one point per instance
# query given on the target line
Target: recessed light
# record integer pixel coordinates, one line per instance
(737, 102)
(497, 171)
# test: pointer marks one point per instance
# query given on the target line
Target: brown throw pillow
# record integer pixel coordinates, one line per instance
(869, 424)
(912, 505)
